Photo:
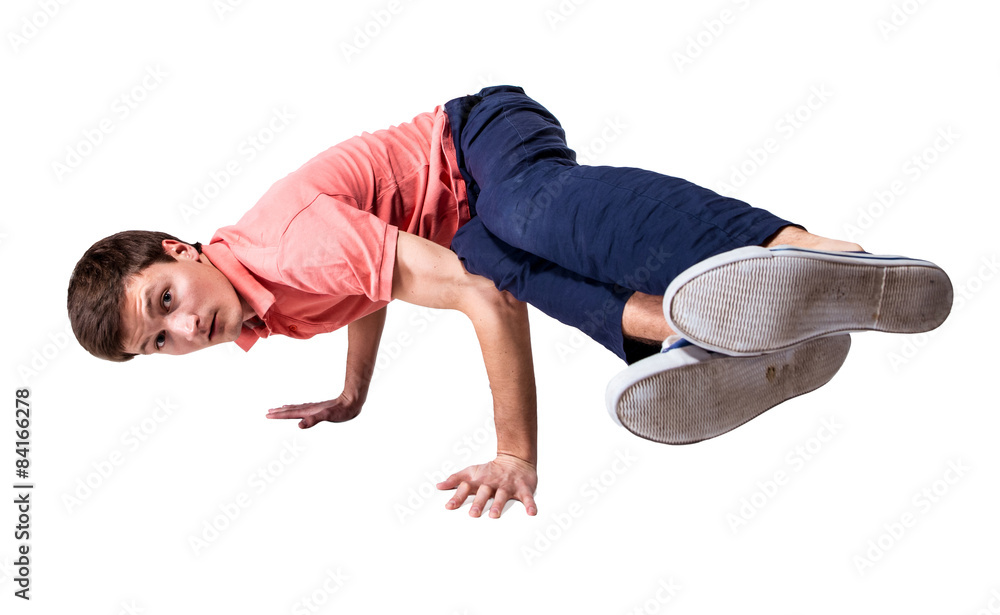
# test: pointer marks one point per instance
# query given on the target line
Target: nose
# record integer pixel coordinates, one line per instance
(185, 325)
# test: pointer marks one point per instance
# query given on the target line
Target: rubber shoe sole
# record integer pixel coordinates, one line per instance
(658, 400)
(756, 300)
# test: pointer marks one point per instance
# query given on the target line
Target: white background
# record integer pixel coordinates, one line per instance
(356, 497)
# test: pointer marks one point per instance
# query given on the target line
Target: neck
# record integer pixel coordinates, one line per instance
(248, 312)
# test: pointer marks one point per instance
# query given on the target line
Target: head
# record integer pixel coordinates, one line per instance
(143, 292)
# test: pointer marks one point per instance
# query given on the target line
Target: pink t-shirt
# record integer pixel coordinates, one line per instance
(318, 250)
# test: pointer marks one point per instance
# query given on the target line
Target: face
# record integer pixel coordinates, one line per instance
(181, 306)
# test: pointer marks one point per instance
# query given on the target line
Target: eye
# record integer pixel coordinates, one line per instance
(167, 297)
(160, 340)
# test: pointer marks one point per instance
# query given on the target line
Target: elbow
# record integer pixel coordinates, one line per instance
(485, 297)
(508, 302)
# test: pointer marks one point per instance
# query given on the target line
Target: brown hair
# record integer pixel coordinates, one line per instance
(97, 288)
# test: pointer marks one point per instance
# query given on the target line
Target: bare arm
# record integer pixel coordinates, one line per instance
(363, 336)
(430, 275)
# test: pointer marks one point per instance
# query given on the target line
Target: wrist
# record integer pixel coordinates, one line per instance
(355, 394)
(528, 456)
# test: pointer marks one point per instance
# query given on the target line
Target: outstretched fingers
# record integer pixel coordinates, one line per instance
(526, 497)
(499, 501)
(464, 489)
(483, 496)
(488, 482)
(309, 414)
(291, 411)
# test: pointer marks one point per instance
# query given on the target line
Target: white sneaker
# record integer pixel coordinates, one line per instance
(756, 300)
(686, 394)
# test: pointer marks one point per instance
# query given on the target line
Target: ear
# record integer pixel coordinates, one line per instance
(179, 249)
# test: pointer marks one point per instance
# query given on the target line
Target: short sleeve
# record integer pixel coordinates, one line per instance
(332, 247)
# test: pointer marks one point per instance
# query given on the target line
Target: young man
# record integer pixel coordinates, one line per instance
(491, 177)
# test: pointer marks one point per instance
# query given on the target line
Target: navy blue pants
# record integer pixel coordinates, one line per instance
(576, 241)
